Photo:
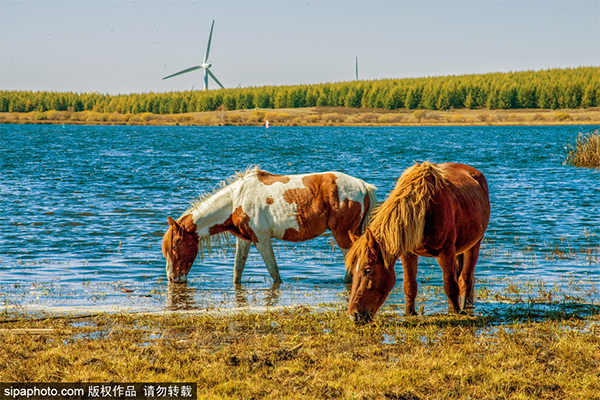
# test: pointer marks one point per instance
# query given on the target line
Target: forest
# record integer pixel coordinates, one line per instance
(565, 88)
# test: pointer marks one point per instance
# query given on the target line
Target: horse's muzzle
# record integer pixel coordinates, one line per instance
(362, 318)
(179, 279)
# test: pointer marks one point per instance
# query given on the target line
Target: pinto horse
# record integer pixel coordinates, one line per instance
(256, 206)
(437, 211)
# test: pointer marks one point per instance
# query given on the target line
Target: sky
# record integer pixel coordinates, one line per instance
(120, 47)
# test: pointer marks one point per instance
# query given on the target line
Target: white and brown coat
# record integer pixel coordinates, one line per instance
(258, 206)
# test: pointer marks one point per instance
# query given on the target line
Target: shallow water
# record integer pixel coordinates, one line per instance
(83, 210)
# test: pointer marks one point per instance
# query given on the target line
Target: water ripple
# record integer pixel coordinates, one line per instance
(84, 208)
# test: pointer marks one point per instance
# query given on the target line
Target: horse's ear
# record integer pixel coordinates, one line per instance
(371, 241)
(174, 224)
(353, 237)
(373, 245)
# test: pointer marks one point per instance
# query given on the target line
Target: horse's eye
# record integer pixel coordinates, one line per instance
(368, 271)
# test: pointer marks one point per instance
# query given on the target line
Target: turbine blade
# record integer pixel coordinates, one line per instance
(183, 72)
(209, 40)
(215, 78)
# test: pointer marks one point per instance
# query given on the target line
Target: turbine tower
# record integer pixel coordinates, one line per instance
(356, 75)
(204, 66)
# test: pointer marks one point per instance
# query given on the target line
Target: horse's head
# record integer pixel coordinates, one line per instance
(180, 248)
(372, 280)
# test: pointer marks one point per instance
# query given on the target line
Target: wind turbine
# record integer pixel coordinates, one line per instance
(205, 65)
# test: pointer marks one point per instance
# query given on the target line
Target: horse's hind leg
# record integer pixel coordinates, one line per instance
(342, 239)
(348, 276)
(466, 280)
(409, 266)
(447, 260)
(460, 261)
(242, 247)
(264, 247)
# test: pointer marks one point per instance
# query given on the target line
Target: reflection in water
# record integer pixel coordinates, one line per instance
(271, 295)
(102, 183)
(181, 297)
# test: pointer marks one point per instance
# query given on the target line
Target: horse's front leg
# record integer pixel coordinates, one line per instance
(447, 260)
(409, 267)
(242, 247)
(265, 248)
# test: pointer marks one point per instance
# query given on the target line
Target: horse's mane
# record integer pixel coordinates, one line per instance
(214, 244)
(223, 185)
(220, 241)
(398, 222)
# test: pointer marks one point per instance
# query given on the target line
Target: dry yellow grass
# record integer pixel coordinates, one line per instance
(320, 116)
(299, 353)
(586, 152)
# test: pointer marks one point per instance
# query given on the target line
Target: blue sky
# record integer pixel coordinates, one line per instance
(128, 46)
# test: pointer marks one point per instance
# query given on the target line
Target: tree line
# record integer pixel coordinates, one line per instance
(565, 88)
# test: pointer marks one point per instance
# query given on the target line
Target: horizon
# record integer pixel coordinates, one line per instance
(126, 47)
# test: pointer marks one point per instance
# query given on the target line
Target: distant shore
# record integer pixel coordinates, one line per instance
(318, 116)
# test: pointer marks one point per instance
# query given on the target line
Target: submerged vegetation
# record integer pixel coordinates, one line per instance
(568, 88)
(300, 353)
(586, 152)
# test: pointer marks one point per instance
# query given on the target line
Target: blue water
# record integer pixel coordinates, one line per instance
(83, 210)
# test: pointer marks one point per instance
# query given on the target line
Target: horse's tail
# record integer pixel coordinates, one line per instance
(399, 222)
(369, 209)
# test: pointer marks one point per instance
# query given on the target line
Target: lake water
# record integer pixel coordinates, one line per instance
(83, 210)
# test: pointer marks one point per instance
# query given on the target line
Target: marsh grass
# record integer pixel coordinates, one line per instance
(299, 353)
(586, 152)
(316, 116)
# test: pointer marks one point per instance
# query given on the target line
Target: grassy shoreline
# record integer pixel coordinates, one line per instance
(318, 116)
(300, 353)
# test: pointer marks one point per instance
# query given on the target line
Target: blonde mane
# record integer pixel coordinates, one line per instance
(398, 222)
(210, 245)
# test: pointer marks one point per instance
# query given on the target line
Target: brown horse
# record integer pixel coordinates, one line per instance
(437, 211)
